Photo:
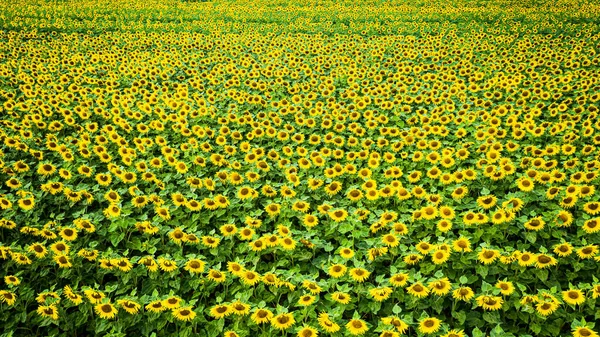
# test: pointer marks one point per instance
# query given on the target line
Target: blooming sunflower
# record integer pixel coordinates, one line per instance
(48, 311)
(491, 303)
(185, 314)
(463, 293)
(129, 306)
(573, 296)
(357, 327)
(283, 321)
(584, 332)
(7, 297)
(261, 316)
(359, 274)
(418, 290)
(105, 310)
(429, 325)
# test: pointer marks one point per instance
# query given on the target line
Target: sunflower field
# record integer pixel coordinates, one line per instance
(300, 168)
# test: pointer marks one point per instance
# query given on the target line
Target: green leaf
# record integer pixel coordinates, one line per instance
(542, 274)
(482, 270)
(215, 327)
(492, 317)
(478, 333)
(497, 331)
(460, 316)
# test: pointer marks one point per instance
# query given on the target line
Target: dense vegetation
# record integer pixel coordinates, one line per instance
(309, 168)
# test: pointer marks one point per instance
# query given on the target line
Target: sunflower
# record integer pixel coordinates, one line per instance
(46, 169)
(12, 280)
(246, 234)
(195, 266)
(459, 192)
(596, 291)
(156, 306)
(306, 300)
(210, 241)
(568, 202)
(26, 204)
(440, 256)
(216, 276)
(546, 308)
(440, 287)
(307, 331)
(112, 211)
(167, 265)
(357, 327)
(359, 274)
(239, 308)
(562, 250)
(355, 195)
(63, 261)
(573, 296)
(149, 263)
(341, 297)
(535, 224)
(235, 268)
(591, 226)
(338, 215)
(424, 247)
(261, 316)
(106, 310)
(506, 287)
(5, 203)
(463, 294)
(487, 202)
(250, 277)
(587, 252)
(454, 333)
(129, 306)
(43, 297)
(399, 280)
(490, 303)
(287, 243)
(310, 220)
(21, 259)
(584, 332)
(122, 264)
(185, 314)
(461, 244)
(273, 209)
(429, 325)
(68, 292)
(95, 297)
(381, 294)
(283, 321)
(399, 324)
(7, 297)
(220, 310)
(418, 290)
(412, 259)
(333, 188)
(488, 256)
(525, 184)
(60, 247)
(327, 324)
(172, 302)
(48, 311)
(228, 230)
